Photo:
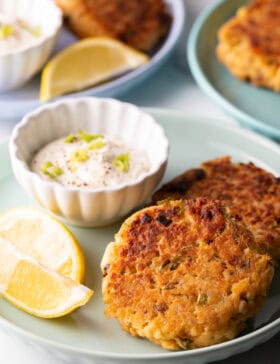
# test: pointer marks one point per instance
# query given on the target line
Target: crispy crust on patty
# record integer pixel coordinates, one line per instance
(140, 24)
(184, 274)
(252, 194)
(249, 43)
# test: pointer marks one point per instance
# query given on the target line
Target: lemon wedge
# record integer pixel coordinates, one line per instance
(36, 289)
(44, 239)
(87, 63)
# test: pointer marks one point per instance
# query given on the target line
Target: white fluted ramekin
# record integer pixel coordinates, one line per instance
(19, 65)
(88, 207)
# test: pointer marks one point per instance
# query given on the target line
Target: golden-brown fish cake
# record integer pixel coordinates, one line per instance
(252, 193)
(140, 24)
(184, 274)
(249, 43)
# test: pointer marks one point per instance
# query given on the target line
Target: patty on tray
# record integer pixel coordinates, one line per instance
(184, 274)
(140, 24)
(250, 192)
(249, 43)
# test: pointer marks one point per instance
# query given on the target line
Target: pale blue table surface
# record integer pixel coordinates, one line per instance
(171, 87)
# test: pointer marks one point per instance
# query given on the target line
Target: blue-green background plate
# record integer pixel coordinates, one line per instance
(15, 104)
(87, 336)
(257, 108)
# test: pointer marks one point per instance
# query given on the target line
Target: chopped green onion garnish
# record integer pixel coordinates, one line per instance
(74, 168)
(164, 264)
(57, 171)
(50, 170)
(80, 155)
(87, 137)
(160, 202)
(121, 162)
(35, 31)
(202, 298)
(46, 166)
(187, 344)
(70, 138)
(6, 30)
(97, 145)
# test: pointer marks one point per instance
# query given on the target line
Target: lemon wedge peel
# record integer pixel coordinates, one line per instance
(87, 63)
(45, 239)
(36, 289)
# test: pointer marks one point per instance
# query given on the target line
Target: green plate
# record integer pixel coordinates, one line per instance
(87, 335)
(257, 108)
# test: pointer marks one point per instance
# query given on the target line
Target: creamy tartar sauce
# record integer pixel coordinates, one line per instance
(90, 161)
(16, 34)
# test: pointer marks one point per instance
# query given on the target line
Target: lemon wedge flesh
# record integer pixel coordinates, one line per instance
(36, 289)
(87, 63)
(44, 239)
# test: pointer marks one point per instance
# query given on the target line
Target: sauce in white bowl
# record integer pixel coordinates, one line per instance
(16, 33)
(90, 161)
(132, 146)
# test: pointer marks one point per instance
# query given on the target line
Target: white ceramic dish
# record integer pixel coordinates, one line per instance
(18, 66)
(115, 119)
(14, 105)
(87, 336)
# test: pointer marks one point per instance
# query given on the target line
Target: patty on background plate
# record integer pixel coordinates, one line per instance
(249, 43)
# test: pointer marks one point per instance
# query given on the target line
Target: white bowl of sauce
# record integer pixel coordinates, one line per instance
(88, 160)
(29, 31)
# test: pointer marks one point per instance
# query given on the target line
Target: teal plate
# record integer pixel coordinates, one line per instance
(253, 107)
(87, 336)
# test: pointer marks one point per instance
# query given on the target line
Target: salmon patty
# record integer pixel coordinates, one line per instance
(140, 24)
(184, 274)
(249, 43)
(250, 192)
